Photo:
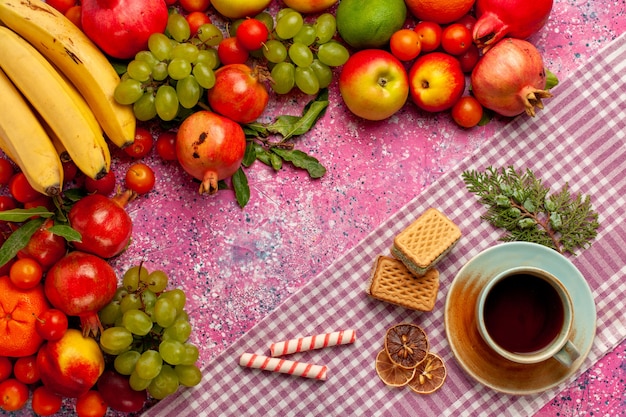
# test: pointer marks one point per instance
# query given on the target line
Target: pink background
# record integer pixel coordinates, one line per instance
(239, 264)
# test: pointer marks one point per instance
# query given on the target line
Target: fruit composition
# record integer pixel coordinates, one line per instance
(194, 82)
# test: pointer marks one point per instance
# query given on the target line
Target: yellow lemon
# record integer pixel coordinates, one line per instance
(309, 6)
(236, 9)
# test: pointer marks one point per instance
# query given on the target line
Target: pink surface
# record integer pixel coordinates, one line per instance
(239, 264)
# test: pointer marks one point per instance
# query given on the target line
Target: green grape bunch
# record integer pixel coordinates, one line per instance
(173, 73)
(519, 203)
(146, 333)
(302, 54)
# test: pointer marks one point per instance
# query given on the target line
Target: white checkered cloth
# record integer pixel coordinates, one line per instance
(579, 138)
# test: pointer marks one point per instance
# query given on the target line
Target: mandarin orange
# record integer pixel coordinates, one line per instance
(19, 310)
(439, 11)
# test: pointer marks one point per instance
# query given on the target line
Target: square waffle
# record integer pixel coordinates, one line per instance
(425, 241)
(392, 282)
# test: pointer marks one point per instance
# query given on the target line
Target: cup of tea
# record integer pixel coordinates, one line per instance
(525, 314)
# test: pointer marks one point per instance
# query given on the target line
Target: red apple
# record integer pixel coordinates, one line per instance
(373, 84)
(436, 81)
(71, 365)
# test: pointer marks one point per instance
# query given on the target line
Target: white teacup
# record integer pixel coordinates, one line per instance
(525, 314)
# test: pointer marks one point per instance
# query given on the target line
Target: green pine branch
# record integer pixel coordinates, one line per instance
(519, 203)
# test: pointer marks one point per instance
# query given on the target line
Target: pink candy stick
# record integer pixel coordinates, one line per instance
(319, 341)
(284, 366)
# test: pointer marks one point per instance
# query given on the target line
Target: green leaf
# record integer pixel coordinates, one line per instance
(289, 126)
(551, 79)
(119, 66)
(21, 215)
(301, 160)
(18, 240)
(263, 155)
(249, 155)
(242, 190)
(276, 161)
(67, 232)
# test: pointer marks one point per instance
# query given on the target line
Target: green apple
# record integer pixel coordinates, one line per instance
(436, 81)
(373, 84)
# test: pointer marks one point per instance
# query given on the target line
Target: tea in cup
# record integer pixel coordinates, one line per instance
(525, 314)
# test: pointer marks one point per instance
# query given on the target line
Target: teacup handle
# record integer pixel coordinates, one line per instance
(567, 355)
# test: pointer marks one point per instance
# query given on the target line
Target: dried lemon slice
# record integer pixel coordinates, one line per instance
(406, 344)
(429, 376)
(390, 373)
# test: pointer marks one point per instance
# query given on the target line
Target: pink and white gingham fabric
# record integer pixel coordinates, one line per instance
(579, 138)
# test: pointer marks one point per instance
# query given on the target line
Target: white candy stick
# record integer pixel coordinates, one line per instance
(266, 363)
(312, 342)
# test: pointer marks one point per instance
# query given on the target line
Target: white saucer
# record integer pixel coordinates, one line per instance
(480, 361)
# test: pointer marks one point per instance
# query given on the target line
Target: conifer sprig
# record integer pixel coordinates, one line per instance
(519, 203)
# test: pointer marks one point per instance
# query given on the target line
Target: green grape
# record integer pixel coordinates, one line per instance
(182, 315)
(307, 35)
(208, 57)
(116, 339)
(148, 298)
(172, 351)
(300, 54)
(164, 313)
(191, 354)
(283, 76)
(187, 51)
(137, 383)
(156, 281)
(137, 322)
(139, 70)
(130, 302)
(180, 330)
(188, 375)
(159, 71)
(132, 276)
(178, 68)
(209, 34)
(145, 108)
(333, 54)
(120, 293)
(160, 46)
(188, 91)
(205, 77)
(178, 27)
(178, 296)
(289, 24)
(125, 363)
(323, 73)
(282, 12)
(110, 313)
(128, 91)
(232, 28)
(164, 384)
(146, 56)
(325, 27)
(149, 364)
(166, 102)
(306, 80)
(274, 51)
(267, 20)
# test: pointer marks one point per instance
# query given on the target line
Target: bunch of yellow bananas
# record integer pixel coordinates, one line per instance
(56, 96)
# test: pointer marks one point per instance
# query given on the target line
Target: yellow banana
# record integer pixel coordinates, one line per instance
(58, 103)
(56, 141)
(69, 49)
(25, 141)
